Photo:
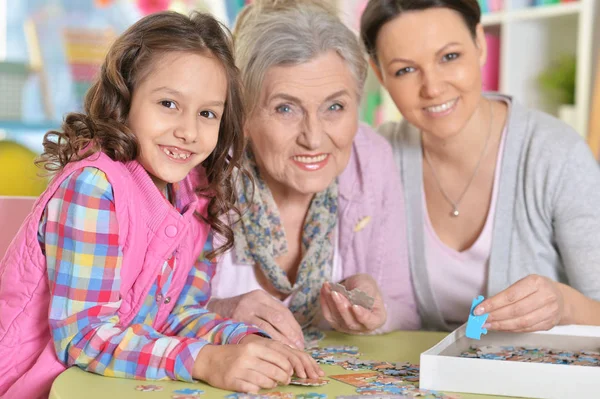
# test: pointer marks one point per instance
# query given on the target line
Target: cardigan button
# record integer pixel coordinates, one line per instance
(171, 231)
(167, 299)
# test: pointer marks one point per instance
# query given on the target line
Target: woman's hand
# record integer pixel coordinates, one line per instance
(353, 319)
(261, 309)
(531, 304)
(255, 363)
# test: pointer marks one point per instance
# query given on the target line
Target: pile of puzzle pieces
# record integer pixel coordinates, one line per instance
(534, 355)
(382, 378)
(277, 395)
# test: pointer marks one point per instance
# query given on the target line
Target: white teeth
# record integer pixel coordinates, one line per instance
(176, 156)
(316, 159)
(442, 107)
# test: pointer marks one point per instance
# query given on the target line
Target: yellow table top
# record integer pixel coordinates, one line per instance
(394, 347)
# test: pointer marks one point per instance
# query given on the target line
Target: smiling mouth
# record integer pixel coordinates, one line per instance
(308, 159)
(442, 107)
(176, 153)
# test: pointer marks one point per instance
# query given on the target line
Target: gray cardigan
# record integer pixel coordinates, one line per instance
(547, 218)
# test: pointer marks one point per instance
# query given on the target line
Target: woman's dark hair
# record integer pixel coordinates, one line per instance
(379, 12)
(102, 125)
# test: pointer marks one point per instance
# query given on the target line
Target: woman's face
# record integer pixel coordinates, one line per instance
(302, 130)
(431, 65)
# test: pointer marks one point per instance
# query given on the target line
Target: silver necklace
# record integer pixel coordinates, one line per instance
(456, 203)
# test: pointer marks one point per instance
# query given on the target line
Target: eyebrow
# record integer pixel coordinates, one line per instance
(394, 60)
(216, 103)
(288, 97)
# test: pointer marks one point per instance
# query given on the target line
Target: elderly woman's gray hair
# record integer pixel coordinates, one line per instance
(272, 33)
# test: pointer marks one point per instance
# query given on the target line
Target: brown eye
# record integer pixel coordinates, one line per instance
(168, 104)
(208, 114)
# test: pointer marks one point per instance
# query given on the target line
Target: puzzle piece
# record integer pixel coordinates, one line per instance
(475, 323)
(355, 296)
(311, 395)
(189, 392)
(309, 382)
(149, 388)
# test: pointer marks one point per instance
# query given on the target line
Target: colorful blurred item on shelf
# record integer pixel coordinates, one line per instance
(496, 5)
(593, 137)
(545, 2)
(13, 76)
(103, 3)
(152, 6)
(233, 8)
(18, 173)
(490, 73)
(85, 50)
(491, 5)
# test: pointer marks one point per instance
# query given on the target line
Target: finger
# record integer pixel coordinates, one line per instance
(325, 303)
(331, 314)
(304, 365)
(258, 377)
(541, 326)
(271, 352)
(272, 331)
(244, 386)
(512, 294)
(270, 371)
(297, 364)
(520, 308)
(343, 307)
(365, 318)
(311, 367)
(525, 321)
(282, 320)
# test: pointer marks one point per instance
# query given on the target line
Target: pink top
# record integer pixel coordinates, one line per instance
(458, 277)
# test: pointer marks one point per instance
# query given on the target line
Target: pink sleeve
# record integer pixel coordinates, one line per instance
(391, 240)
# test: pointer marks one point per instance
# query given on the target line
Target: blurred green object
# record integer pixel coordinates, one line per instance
(372, 102)
(18, 174)
(558, 81)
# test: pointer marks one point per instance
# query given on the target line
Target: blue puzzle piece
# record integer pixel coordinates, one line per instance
(474, 323)
(188, 391)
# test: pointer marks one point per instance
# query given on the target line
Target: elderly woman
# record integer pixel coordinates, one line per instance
(326, 190)
(500, 200)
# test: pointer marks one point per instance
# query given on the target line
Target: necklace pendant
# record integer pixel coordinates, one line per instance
(455, 213)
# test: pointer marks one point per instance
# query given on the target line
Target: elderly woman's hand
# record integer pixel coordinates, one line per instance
(353, 319)
(261, 309)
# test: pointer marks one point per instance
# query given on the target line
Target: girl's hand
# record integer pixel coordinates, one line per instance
(255, 363)
(531, 304)
(353, 319)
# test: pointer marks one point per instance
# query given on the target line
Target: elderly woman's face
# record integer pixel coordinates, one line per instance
(303, 128)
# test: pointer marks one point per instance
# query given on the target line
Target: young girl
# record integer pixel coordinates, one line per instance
(103, 274)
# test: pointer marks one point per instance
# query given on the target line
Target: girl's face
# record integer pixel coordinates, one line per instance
(176, 112)
(431, 65)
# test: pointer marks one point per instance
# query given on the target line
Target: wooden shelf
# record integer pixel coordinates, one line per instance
(541, 12)
(530, 13)
(494, 18)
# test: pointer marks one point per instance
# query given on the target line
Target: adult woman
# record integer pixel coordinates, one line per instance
(506, 197)
(321, 210)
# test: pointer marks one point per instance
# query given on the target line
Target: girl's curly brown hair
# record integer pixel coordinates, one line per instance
(103, 124)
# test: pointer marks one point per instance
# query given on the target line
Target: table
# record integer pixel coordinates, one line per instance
(396, 346)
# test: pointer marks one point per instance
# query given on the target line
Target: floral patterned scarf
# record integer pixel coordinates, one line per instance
(260, 239)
